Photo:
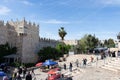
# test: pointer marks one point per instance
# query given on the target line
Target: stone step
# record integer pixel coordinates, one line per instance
(114, 67)
(114, 64)
(109, 68)
(115, 60)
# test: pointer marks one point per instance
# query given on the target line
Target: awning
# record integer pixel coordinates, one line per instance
(12, 56)
(49, 62)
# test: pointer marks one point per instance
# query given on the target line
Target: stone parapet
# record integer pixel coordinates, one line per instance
(44, 42)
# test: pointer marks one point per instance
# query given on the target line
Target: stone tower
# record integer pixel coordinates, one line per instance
(28, 41)
(24, 35)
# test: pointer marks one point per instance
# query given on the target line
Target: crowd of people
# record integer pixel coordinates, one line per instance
(78, 64)
(22, 72)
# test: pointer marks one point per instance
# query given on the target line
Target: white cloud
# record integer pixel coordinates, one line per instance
(27, 2)
(4, 10)
(109, 2)
(54, 21)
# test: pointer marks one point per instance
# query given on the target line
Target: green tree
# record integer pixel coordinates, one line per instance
(82, 46)
(106, 43)
(88, 42)
(6, 49)
(62, 33)
(63, 48)
(111, 43)
(91, 41)
(48, 53)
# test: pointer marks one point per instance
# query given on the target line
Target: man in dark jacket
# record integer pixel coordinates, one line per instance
(28, 76)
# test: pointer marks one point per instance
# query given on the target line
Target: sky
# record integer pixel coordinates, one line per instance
(78, 17)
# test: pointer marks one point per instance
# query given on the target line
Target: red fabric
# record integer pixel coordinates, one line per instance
(54, 77)
(52, 71)
(38, 64)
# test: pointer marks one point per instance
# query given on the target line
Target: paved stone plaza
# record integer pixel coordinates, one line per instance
(93, 71)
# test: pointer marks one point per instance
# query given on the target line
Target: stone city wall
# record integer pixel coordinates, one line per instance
(25, 36)
(44, 42)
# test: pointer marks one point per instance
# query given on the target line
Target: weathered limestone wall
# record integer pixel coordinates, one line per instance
(12, 34)
(25, 36)
(3, 33)
(43, 42)
(30, 43)
(71, 42)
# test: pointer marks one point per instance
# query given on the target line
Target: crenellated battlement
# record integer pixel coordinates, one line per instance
(22, 22)
(1, 23)
(18, 23)
(47, 40)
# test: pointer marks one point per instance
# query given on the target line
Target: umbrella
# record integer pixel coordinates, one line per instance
(38, 64)
(49, 62)
(2, 73)
(58, 69)
(52, 71)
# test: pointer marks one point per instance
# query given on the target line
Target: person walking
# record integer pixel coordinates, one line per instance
(20, 70)
(92, 59)
(28, 76)
(70, 67)
(33, 75)
(18, 77)
(24, 71)
(64, 66)
(77, 63)
(14, 74)
(5, 78)
(84, 62)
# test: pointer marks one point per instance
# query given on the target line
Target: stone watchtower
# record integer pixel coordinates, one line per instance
(118, 37)
(27, 40)
(29, 36)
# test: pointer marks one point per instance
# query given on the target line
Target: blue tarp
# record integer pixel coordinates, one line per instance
(49, 63)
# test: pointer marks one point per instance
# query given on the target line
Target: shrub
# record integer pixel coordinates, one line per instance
(16, 64)
(29, 65)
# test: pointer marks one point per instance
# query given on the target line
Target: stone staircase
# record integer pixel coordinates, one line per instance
(112, 65)
(75, 71)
